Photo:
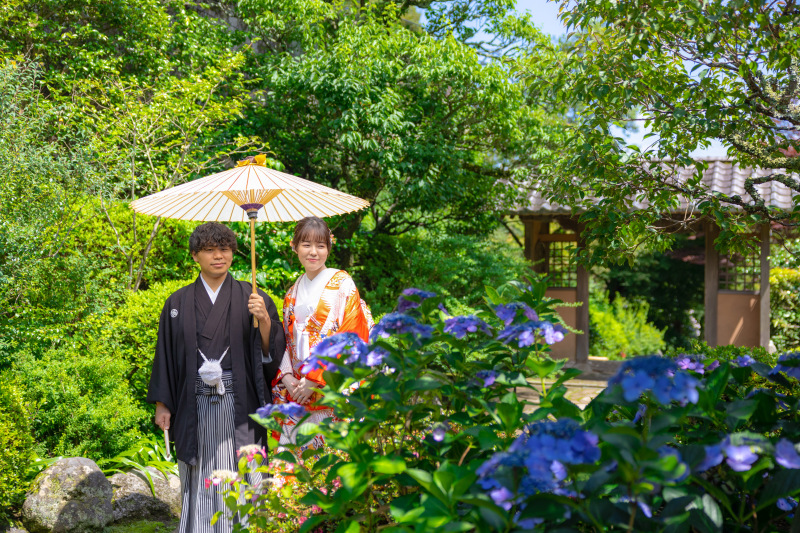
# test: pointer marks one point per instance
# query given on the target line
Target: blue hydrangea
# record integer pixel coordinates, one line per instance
(487, 376)
(786, 504)
(376, 356)
(712, 458)
(404, 304)
(459, 326)
(743, 361)
(398, 324)
(525, 334)
(658, 375)
(347, 346)
(540, 455)
(789, 363)
(786, 455)
(294, 410)
(508, 312)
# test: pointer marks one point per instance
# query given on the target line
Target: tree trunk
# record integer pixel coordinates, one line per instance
(344, 232)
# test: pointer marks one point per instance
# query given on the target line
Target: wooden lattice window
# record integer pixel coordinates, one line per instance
(561, 265)
(740, 272)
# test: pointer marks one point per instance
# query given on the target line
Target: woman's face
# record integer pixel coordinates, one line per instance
(312, 256)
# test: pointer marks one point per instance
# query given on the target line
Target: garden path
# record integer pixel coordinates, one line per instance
(583, 389)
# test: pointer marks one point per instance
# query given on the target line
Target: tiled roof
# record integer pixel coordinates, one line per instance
(720, 176)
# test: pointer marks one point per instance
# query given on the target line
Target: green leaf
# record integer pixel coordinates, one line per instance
(780, 485)
(388, 465)
(348, 526)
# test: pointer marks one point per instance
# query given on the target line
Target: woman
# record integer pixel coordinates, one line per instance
(322, 302)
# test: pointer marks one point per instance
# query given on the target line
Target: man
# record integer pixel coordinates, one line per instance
(211, 370)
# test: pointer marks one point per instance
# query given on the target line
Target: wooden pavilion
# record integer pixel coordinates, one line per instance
(737, 308)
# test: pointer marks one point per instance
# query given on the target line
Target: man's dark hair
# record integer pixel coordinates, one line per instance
(211, 234)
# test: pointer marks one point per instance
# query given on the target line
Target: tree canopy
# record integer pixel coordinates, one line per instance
(692, 72)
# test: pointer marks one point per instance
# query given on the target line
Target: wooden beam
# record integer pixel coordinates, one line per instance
(558, 237)
(711, 284)
(582, 318)
(764, 310)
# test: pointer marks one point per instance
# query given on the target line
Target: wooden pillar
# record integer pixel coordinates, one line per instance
(711, 284)
(582, 319)
(764, 310)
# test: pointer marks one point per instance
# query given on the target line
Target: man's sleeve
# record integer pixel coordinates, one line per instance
(159, 389)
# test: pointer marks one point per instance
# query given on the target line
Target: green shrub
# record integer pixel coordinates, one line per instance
(16, 445)
(785, 308)
(95, 238)
(81, 401)
(620, 329)
(457, 267)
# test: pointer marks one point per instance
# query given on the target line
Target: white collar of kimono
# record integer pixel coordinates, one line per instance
(211, 292)
(309, 293)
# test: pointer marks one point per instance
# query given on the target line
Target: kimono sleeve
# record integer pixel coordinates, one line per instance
(353, 317)
(163, 381)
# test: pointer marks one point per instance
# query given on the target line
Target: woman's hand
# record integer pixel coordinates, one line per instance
(290, 382)
(303, 391)
(162, 415)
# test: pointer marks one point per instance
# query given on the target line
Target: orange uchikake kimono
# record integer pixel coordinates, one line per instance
(340, 309)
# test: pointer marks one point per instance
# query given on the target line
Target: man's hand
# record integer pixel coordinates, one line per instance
(162, 415)
(258, 308)
(303, 391)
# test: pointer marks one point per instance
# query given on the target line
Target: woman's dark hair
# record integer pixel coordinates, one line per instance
(212, 234)
(312, 229)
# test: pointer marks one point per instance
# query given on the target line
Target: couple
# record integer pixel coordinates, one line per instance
(213, 367)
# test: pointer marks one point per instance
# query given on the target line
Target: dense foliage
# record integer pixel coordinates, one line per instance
(784, 308)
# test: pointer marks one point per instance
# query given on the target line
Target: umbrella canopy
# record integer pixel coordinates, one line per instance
(228, 196)
(249, 192)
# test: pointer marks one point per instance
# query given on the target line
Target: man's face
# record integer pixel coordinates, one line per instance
(214, 261)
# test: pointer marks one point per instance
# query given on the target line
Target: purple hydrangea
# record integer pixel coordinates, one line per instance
(404, 304)
(398, 324)
(786, 455)
(347, 346)
(660, 376)
(789, 363)
(487, 376)
(739, 458)
(743, 361)
(294, 410)
(439, 431)
(786, 504)
(525, 334)
(508, 312)
(459, 326)
(540, 455)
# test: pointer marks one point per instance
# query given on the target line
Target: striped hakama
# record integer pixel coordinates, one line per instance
(215, 451)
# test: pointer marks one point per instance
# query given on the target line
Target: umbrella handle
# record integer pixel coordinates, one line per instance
(253, 260)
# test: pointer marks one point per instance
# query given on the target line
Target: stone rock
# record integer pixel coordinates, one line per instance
(133, 499)
(70, 496)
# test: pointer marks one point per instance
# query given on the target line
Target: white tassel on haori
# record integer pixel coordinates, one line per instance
(211, 371)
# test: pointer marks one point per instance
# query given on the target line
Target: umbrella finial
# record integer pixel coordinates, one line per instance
(259, 160)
